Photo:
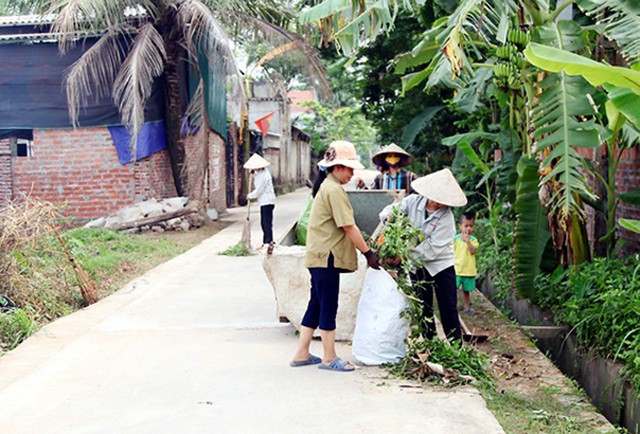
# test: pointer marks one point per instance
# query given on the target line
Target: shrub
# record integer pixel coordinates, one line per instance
(600, 302)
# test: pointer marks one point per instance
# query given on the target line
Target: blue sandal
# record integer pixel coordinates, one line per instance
(336, 365)
(312, 360)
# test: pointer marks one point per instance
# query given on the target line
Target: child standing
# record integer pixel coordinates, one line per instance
(465, 247)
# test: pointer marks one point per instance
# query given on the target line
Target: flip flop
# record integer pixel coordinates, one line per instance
(312, 360)
(336, 365)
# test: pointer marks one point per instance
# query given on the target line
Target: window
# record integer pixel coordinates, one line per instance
(24, 148)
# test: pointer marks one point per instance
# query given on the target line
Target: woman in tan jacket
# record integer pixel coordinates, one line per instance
(332, 238)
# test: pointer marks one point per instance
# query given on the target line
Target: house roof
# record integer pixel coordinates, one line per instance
(35, 28)
(26, 20)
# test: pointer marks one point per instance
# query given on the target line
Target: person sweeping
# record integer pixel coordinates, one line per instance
(332, 238)
(430, 211)
(263, 193)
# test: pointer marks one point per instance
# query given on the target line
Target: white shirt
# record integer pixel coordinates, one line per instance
(439, 228)
(263, 188)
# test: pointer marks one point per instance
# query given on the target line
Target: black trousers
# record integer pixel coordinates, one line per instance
(266, 222)
(444, 285)
(323, 305)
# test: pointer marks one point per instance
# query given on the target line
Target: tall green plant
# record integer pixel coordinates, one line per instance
(621, 107)
(532, 229)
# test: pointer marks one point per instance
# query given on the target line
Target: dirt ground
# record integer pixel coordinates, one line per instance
(520, 367)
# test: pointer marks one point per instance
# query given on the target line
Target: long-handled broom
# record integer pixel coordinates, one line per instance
(246, 230)
(88, 287)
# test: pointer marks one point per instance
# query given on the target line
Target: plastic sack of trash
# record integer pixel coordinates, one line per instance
(381, 329)
(303, 223)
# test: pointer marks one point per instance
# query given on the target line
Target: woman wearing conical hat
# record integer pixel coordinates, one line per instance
(430, 211)
(390, 160)
(263, 193)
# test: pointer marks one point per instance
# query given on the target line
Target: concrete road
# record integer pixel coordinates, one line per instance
(193, 346)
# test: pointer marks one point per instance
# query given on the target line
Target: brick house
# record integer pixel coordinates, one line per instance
(83, 168)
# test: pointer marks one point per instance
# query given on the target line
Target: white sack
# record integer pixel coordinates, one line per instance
(380, 329)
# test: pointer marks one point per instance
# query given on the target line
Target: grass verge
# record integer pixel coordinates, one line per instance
(45, 288)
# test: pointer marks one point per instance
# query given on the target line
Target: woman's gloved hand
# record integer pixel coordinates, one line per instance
(372, 259)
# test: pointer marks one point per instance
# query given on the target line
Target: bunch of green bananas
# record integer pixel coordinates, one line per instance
(504, 69)
(507, 70)
(506, 51)
(518, 37)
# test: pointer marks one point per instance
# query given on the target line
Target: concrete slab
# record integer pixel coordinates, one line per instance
(193, 346)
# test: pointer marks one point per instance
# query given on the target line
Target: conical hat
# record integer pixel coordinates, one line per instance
(392, 149)
(441, 187)
(256, 162)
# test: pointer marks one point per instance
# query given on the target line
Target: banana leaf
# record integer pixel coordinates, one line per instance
(461, 141)
(561, 116)
(324, 9)
(632, 225)
(418, 123)
(626, 102)
(560, 60)
(619, 20)
(631, 197)
(532, 229)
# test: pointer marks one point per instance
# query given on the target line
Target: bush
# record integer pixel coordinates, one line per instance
(15, 326)
(600, 302)
(497, 261)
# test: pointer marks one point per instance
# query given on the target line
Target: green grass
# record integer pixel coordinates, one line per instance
(518, 413)
(44, 285)
(237, 250)
(16, 325)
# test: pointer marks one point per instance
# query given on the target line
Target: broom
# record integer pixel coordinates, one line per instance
(87, 285)
(246, 230)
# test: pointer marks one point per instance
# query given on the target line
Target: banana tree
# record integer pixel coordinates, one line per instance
(622, 109)
(478, 50)
(487, 173)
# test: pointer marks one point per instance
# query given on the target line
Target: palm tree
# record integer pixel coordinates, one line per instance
(142, 40)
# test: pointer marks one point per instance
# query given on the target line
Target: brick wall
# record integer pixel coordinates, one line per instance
(6, 172)
(153, 177)
(196, 154)
(80, 168)
(627, 179)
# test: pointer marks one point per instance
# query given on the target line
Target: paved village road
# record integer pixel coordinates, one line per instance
(193, 346)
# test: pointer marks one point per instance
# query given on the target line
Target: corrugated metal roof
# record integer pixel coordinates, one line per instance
(35, 20)
(26, 28)
(26, 20)
(40, 37)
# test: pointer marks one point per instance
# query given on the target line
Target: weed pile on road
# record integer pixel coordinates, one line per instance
(239, 249)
